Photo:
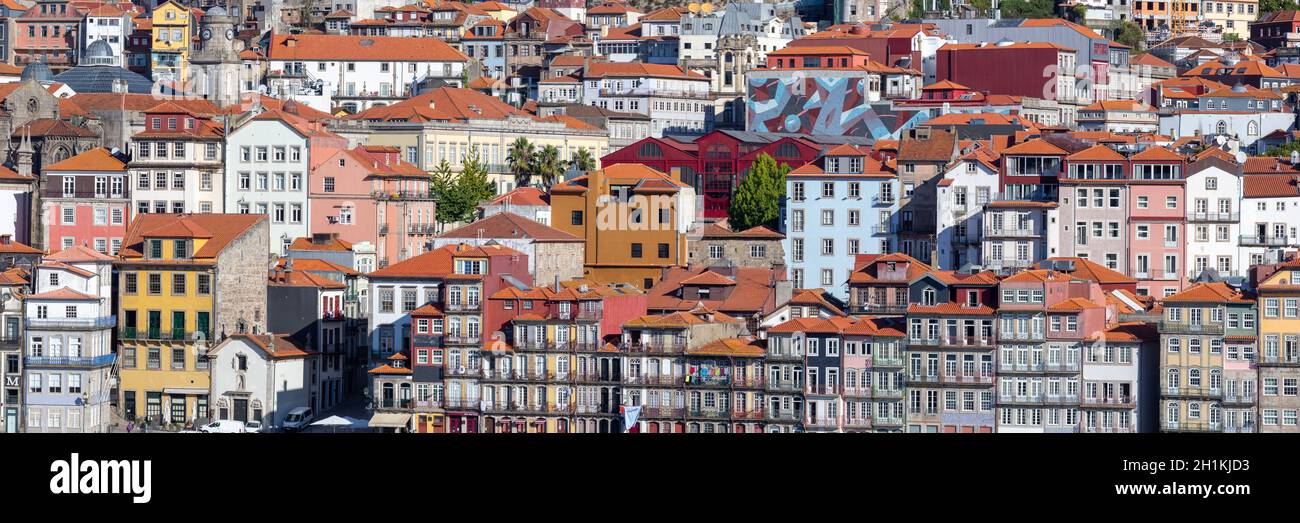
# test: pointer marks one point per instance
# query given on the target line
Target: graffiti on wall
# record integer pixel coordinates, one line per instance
(814, 105)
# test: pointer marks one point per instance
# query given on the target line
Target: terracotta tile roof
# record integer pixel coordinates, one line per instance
(1131, 333)
(1269, 165)
(62, 293)
(940, 147)
(1057, 22)
(1036, 146)
(754, 291)
(611, 8)
(78, 254)
(388, 369)
(276, 345)
(361, 48)
(944, 85)
(333, 244)
(747, 347)
(1149, 60)
(97, 159)
(53, 127)
(1032, 275)
(957, 278)
(448, 104)
(667, 14)
(1212, 292)
(814, 297)
(314, 265)
(950, 309)
(13, 247)
(138, 102)
(681, 319)
(1091, 270)
(1074, 305)
(1269, 186)
(301, 278)
(218, 229)
(1119, 105)
(13, 277)
(1097, 153)
(525, 196)
(638, 69)
(866, 264)
(1157, 154)
(8, 175)
(513, 226)
(721, 230)
(433, 264)
(709, 278)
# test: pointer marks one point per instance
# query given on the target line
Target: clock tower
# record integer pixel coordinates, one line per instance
(215, 59)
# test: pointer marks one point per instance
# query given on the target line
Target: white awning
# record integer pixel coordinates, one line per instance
(395, 420)
(185, 390)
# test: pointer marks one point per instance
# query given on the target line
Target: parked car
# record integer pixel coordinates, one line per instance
(297, 419)
(223, 426)
(252, 426)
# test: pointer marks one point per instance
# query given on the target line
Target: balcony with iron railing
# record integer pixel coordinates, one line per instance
(646, 91)
(127, 333)
(784, 386)
(1191, 426)
(1114, 429)
(883, 422)
(856, 392)
(1007, 263)
(955, 341)
(821, 389)
(1008, 232)
(1061, 366)
(1213, 216)
(882, 229)
(775, 355)
(1245, 428)
(886, 393)
(660, 380)
(70, 361)
(1281, 360)
(105, 322)
(882, 199)
(1187, 391)
(1117, 402)
(1248, 240)
(461, 403)
(463, 371)
(821, 423)
(1038, 399)
(463, 339)
(656, 348)
(885, 359)
(966, 379)
(1171, 327)
(595, 377)
(789, 416)
(876, 308)
(857, 423)
(474, 306)
(662, 412)
(421, 228)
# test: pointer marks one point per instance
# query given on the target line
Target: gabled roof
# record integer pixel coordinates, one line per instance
(218, 229)
(513, 226)
(62, 293)
(1096, 153)
(1269, 186)
(523, 196)
(1090, 270)
(1159, 154)
(709, 278)
(747, 347)
(274, 345)
(78, 254)
(292, 47)
(332, 244)
(97, 159)
(1211, 292)
(1036, 146)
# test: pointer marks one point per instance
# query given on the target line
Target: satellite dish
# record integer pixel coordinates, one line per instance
(693, 7)
(1220, 139)
(1240, 157)
(707, 8)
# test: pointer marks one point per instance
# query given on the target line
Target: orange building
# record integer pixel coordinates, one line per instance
(633, 218)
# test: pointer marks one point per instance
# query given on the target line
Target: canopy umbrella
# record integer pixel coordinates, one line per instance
(336, 422)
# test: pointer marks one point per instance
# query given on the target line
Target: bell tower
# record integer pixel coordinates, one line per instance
(216, 58)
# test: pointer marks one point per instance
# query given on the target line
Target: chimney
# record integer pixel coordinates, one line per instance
(557, 283)
(6, 239)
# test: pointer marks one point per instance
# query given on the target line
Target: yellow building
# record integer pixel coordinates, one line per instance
(1279, 347)
(633, 218)
(185, 282)
(1233, 16)
(1198, 328)
(173, 29)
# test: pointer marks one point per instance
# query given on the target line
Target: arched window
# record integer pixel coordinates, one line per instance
(1222, 128)
(651, 150)
(1216, 379)
(1193, 377)
(1172, 382)
(1171, 412)
(787, 150)
(1252, 129)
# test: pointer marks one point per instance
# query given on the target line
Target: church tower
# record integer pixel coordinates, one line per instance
(216, 59)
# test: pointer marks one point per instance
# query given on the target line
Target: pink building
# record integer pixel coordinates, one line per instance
(47, 32)
(1157, 221)
(87, 202)
(369, 194)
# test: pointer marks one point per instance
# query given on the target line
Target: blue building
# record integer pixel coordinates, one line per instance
(839, 206)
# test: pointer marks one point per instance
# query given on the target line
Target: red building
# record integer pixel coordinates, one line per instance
(715, 163)
(87, 201)
(1273, 31)
(888, 44)
(987, 67)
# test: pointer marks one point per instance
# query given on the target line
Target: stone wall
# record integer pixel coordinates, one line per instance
(241, 282)
(562, 259)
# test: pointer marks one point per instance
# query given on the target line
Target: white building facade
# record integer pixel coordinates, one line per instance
(260, 378)
(1214, 218)
(966, 187)
(266, 171)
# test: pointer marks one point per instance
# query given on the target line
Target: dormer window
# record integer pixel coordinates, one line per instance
(182, 249)
(156, 249)
(928, 296)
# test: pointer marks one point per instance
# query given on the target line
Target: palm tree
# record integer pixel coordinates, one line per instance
(583, 161)
(520, 159)
(548, 166)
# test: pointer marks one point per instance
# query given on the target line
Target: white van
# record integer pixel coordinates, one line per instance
(224, 425)
(297, 419)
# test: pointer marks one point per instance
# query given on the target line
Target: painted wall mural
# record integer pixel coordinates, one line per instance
(816, 105)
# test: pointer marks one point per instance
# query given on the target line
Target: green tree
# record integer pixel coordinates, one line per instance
(758, 199)
(548, 166)
(520, 160)
(1130, 34)
(1283, 150)
(583, 161)
(1273, 6)
(472, 186)
(442, 184)
(1079, 13)
(1027, 9)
